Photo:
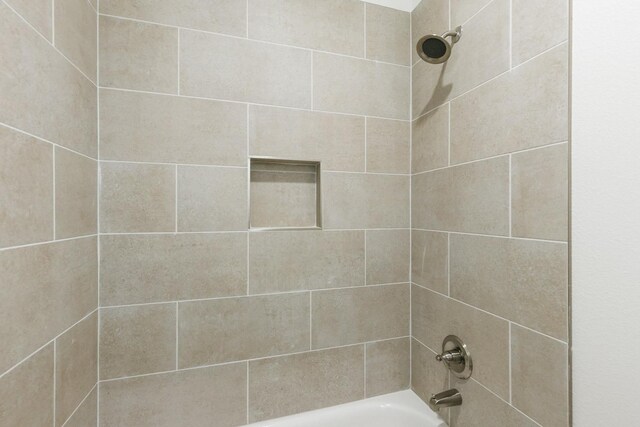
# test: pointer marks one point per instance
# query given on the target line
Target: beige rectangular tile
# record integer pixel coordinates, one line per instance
(153, 268)
(137, 340)
(212, 199)
(388, 256)
(538, 26)
(138, 55)
(287, 385)
(350, 85)
(539, 193)
(540, 377)
(430, 140)
(337, 140)
(218, 16)
(76, 34)
(87, 414)
(295, 260)
(365, 201)
(38, 13)
(47, 287)
(388, 366)
(283, 199)
(429, 17)
(428, 376)
(469, 198)
(463, 10)
(159, 128)
(483, 408)
(41, 90)
(26, 189)
(521, 280)
(76, 195)
(214, 66)
(137, 197)
(482, 53)
(329, 25)
(76, 366)
(388, 146)
(26, 392)
(349, 316)
(195, 397)
(435, 316)
(388, 37)
(231, 329)
(430, 260)
(523, 109)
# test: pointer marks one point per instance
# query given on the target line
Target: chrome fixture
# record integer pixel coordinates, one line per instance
(456, 357)
(445, 399)
(435, 49)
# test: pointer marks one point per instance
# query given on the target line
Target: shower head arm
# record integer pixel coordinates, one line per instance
(454, 34)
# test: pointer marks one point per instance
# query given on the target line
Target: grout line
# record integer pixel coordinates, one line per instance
(47, 242)
(510, 369)
(80, 404)
(312, 107)
(286, 107)
(53, 39)
(410, 202)
(477, 13)
(364, 21)
(247, 37)
(510, 197)
(254, 40)
(46, 344)
(179, 59)
(275, 356)
(98, 194)
(301, 291)
(310, 321)
(510, 34)
(135, 162)
(278, 230)
(502, 399)
(247, 383)
(455, 98)
(448, 264)
(492, 236)
(53, 156)
(490, 313)
(449, 133)
(365, 144)
(55, 388)
(497, 156)
(176, 200)
(46, 141)
(364, 373)
(408, 175)
(365, 258)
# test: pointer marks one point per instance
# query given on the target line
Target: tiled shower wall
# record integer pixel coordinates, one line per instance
(489, 209)
(48, 200)
(203, 322)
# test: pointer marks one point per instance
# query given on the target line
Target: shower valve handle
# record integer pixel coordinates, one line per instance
(451, 356)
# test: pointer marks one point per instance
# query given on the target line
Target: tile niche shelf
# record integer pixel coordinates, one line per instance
(284, 194)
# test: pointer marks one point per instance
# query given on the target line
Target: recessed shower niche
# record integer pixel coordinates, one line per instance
(284, 194)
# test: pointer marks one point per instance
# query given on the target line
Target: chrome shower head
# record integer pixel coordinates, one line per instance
(435, 49)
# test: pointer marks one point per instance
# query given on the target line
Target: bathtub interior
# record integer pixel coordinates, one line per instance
(403, 408)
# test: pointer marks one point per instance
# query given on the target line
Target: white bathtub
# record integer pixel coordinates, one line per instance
(403, 408)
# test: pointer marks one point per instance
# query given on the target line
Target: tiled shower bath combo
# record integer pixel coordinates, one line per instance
(221, 212)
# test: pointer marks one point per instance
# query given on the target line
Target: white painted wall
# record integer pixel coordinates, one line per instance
(406, 5)
(606, 212)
